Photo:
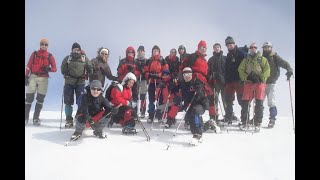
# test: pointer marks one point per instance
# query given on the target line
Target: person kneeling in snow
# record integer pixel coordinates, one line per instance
(94, 109)
(121, 94)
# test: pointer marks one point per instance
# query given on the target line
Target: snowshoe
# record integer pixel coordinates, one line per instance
(99, 134)
(257, 127)
(142, 115)
(169, 122)
(36, 122)
(149, 120)
(129, 130)
(243, 126)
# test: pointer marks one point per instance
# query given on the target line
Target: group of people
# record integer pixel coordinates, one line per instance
(187, 83)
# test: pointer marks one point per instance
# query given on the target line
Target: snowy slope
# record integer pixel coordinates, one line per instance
(268, 155)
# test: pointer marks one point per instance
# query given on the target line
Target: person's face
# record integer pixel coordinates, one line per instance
(104, 55)
(130, 83)
(216, 48)
(140, 52)
(202, 50)
(76, 50)
(253, 48)
(156, 52)
(95, 92)
(267, 49)
(131, 54)
(231, 46)
(44, 46)
(173, 52)
(187, 77)
(181, 51)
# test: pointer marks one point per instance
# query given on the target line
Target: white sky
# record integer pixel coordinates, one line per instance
(119, 24)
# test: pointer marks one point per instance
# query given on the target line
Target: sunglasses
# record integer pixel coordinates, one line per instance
(251, 47)
(104, 54)
(187, 74)
(43, 44)
(95, 89)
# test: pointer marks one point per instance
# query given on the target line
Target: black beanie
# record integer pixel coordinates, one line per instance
(155, 47)
(76, 45)
(229, 40)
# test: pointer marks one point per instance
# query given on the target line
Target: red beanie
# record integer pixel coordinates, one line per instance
(202, 43)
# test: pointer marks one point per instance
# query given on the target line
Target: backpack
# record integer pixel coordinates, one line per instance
(78, 76)
(109, 89)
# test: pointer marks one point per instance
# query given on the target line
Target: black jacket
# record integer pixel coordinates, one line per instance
(217, 67)
(234, 58)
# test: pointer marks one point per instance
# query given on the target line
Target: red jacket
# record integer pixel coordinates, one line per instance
(124, 63)
(121, 96)
(199, 66)
(155, 65)
(36, 64)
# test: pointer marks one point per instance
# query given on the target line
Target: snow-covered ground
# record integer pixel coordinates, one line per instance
(268, 155)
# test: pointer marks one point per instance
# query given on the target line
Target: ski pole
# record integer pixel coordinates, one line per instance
(291, 106)
(224, 120)
(62, 103)
(156, 103)
(164, 112)
(144, 129)
(195, 93)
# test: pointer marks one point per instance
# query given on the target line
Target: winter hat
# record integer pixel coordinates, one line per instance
(202, 43)
(217, 44)
(141, 48)
(229, 40)
(181, 47)
(75, 45)
(104, 50)
(128, 77)
(165, 71)
(187, 70)
(267, 44)
(155, 47)
(95, 84)
(44, 41)
(130, 48)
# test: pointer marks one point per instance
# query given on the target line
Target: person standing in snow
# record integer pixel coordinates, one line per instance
(183, 57)
(141, 80)
(254, 71)
(101, 68)
(173, 63)
(232, 86)
(40, 63)
(216, 74)
(197, 62)
(94, 109)
(275, 62)
(74, 68)
(153, 68)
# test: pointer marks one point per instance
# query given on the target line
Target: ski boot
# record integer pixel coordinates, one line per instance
(272, 121)
(69, 122)
(196, 139)
(100, 134)
(169, 122)
(243, 125)
(187, 125)
(75, 136)
(36, 122)
(257, 127)
(149, 120)
(129, 130)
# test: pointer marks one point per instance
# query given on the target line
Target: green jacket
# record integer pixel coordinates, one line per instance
(275, 62)
(258, 64)
(75, 69)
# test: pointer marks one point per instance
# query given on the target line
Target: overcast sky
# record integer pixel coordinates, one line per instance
(168, 24)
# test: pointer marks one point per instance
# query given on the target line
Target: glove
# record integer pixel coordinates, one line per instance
(130, 68)
(132, 104)
(46, 69)
(253, 77)
(27, 81)
(289, 74)
(198, 109)
(114, 111)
